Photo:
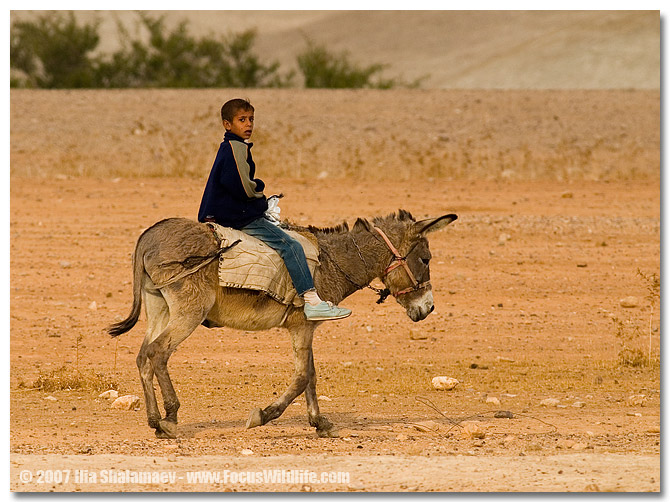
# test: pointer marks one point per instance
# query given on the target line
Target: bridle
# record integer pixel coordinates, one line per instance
(400, 261)
(397, 261)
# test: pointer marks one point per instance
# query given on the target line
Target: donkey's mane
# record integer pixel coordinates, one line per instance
(343, 227)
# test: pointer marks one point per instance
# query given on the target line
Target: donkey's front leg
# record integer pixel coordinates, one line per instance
(301, 339)
(324, 428)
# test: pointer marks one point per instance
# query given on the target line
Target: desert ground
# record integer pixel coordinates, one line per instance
(543, 298)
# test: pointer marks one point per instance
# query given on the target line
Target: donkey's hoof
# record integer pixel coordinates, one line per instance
(166, 430)
(255, 418)
(328, 433)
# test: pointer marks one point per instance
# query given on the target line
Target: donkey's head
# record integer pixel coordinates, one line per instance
(407, 275)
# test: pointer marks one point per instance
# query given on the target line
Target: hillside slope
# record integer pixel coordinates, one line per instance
(451, 49)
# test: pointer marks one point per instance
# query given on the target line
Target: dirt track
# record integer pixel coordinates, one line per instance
(527, 287)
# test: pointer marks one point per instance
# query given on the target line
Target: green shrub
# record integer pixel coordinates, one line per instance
(53, 52)
(177, 59)
(323, 69)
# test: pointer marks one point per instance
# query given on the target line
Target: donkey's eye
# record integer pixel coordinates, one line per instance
(425, 261)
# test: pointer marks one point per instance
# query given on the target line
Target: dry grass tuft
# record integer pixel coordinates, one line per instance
(69, 378)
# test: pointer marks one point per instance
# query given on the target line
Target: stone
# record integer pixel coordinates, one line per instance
(51, 398)
(503, 414)
(444, 383)
(415, 334)
(425, 426)
(550, 402)
(636, 400)
(493, 400)
(629, 302)
(324, 398)
(579, 446)
(503, 238)
(472, 430)
(109, 394)
(246, 451)
(578, 404)
(93, 306)
(65, 264)
(127, 402)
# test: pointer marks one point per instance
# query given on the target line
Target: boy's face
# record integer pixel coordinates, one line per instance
(242, 124)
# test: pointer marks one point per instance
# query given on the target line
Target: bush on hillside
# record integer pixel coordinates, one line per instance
(323, 69)
(53, 52)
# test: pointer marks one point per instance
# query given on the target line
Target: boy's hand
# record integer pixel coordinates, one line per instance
(272, 213)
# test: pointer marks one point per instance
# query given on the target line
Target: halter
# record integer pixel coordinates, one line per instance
(396, 262)
(400, 261)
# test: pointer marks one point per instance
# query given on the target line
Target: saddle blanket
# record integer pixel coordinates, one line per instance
(252, 264)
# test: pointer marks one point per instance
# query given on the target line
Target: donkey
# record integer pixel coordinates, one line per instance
(175, 275)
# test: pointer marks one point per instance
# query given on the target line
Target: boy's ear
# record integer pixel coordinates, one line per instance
(227, 125)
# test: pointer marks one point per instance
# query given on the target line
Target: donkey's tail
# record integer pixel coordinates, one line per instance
(127, 324)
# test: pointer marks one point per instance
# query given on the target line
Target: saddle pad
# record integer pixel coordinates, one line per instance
(252, 264)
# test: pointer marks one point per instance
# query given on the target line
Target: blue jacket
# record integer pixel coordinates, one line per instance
(233, 197)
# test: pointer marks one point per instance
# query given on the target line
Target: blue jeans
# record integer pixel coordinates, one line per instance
(288, 248)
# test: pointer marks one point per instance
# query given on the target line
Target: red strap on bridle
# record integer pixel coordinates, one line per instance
(399, 260)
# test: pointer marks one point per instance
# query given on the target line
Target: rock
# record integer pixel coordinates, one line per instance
(654, 430)
(417, 335)
(127, 402)
(578, 404)
(402, 437)
(65, 264)
(567, 195)
(629, 302)
(109, 394)
(636, 400)
(503, 238)
(172, 457)
(93, 306)
(473, 430)
(579, 446)
(505, 359)
(347, 364)
(246, 451)
(51, 398)
(550, 402)
(566, 443)
(493, 400)
(503, 414)
(425, 426)
(444, 383)
(591, 488)
(324, 398)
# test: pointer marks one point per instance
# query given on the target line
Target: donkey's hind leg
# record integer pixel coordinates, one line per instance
(186, 313)
(157, 318)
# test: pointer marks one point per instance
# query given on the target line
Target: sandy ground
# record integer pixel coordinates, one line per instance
(522, 321)
(528, 284)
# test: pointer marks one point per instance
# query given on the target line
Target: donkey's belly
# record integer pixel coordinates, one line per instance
(245, 309)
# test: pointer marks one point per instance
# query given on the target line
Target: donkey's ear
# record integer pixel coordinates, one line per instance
(363, 224)
(432, 224)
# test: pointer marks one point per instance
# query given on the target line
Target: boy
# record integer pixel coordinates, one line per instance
(234, 198)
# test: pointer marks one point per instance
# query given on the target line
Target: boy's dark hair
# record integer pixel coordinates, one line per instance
(230, 108)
